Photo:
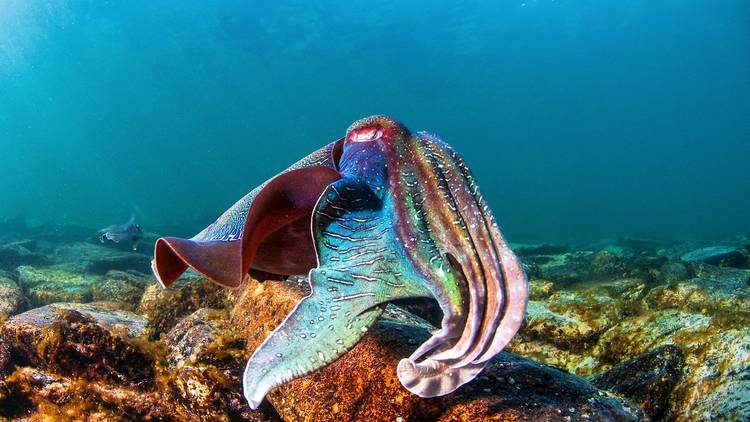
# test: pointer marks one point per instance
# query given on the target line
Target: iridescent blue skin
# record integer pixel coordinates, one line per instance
(401, 218)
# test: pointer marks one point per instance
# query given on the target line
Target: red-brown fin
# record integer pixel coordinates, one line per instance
(219, 261)
(275, 215)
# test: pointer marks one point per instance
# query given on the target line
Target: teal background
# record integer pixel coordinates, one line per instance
(581, 119)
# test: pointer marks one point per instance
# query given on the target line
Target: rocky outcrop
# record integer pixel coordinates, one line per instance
(725, 256)
(165, 307)
(89, 258)
(45, 285)
(19, 253)
(647, 380)
(93, 362)
(12, 300)
(120, 286)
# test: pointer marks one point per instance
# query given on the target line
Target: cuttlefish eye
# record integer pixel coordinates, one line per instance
(365, 134)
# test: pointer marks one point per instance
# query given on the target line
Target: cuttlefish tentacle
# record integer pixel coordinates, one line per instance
(377, 216)
(495, 280)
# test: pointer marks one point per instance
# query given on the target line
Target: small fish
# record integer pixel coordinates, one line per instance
(130, 231)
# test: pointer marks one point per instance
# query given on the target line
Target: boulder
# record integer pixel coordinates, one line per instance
(606, 265)
(45, 285)
(80, 340)
(647, 380)
(96, 259)
(92, 362)
(15, 254)
(726, 256)
(673, 271)
(206, 358)
(12, 300)
(731, 281)
(562, 269)
(120, 286)
(716, 383)
(165, 307)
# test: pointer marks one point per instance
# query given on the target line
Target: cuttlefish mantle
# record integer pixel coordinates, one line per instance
(379, 215)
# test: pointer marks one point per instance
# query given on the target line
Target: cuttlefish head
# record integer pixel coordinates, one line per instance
(377, 216)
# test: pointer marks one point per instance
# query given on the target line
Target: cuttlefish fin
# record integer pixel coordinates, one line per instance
(362, 272)
(224, 251)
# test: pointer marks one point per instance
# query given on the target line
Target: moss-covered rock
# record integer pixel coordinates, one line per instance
(165, 307)
(206, 358)
(93, 362)
(647, 380)
(19, 253)
(606, 265)
(12, 300)
(96, 259)
(81, 340)
(46, 285)
(120, 286)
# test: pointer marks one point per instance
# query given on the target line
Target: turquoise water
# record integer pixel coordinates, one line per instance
(581, 119)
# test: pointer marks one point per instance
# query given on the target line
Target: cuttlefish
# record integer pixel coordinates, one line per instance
(379, 215)
(130, 231)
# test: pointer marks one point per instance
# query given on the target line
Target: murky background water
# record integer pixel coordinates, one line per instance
(581, 119)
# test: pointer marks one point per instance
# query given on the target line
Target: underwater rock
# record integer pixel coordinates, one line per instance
(726, 309)
(206, 359)
(91, 362)
(88, 341)
(561, 269)
(95, 259)
(647, 380)
(120, 286)
(165, 307)
(362, 384)
(526, 249)
(561, 329)
(46, 285)
(4, 357)
(731, 281)
(606, 265)
(716, 384)
(673, 271)
(540, 289)
(635, 336)
(16, 254)
(11, 297)
(726, 256)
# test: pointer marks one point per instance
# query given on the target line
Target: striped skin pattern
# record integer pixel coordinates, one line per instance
(405, 220)
(380, 215)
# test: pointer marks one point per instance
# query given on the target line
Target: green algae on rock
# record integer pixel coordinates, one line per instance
(120, 286)
(12, 300)
(47, 285)
(165, 307)
(92, 362)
